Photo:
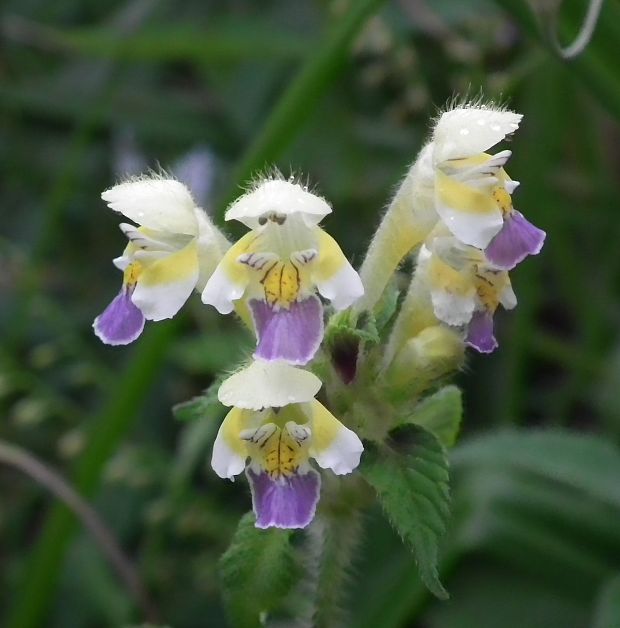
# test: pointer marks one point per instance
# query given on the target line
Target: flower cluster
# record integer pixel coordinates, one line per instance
(463, 194)
(454, 208)
(275, 271)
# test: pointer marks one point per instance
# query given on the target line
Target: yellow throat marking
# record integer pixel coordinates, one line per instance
(489, 286)
(132, 274)
(502, 198)
(278, 451)
(281, 283)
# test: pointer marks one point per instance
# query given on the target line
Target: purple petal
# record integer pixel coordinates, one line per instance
(121, 322)
(293, 335)
(480, 333)
(517, 239)
(285, 502)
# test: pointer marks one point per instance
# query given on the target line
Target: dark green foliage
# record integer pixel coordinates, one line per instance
(441, 414)
(257, 572)
(410, 476)
(607, 610)
(534, 539)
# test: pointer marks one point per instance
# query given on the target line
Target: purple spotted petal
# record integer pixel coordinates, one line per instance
(284, 503)
(517, 239)
(480, 333)
(293, 335)
(121, 322)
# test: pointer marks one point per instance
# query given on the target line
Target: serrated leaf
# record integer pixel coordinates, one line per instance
(441, 414)
(607, 610)
(410, 475)
(257, 571)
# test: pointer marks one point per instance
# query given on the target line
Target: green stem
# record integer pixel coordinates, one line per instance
(117, 418)
(19, 459)
(110, 426)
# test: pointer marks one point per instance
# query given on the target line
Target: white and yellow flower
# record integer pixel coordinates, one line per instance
(278, 267)
(278, 425)
(473, 193)
(465, 289)
(172, 251)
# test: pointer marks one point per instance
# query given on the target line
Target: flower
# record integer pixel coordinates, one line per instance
(276, 422)
(279, 265)
(173, 251)
(465, 289)
(473, 191)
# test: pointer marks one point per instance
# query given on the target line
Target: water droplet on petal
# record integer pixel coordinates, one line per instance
(495, 127)
(481, 121)
(464, 131)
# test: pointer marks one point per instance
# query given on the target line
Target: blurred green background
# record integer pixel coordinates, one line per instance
(342, 92)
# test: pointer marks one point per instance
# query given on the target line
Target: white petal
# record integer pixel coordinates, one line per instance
(333, 446)
(122, 261)
(467, 131)
(212, 245)
(221, 291)
(268, 385)
(508, 298)
(475, 229)
(452, 309)
(511, 185)
(160, 204)
(281, 197)
(343, 288)
(166, 283)
(229, 451)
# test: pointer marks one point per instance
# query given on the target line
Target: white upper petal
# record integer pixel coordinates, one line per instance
(160, 204)
(281, 197)
(467, 131)
(265, 384)
(343, 288)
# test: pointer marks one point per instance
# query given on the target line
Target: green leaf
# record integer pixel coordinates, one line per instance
(542, 501)
(410, 476)
(257, 571)
(441, 414)
(583, 462)
(316, 76)
(607, 610)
